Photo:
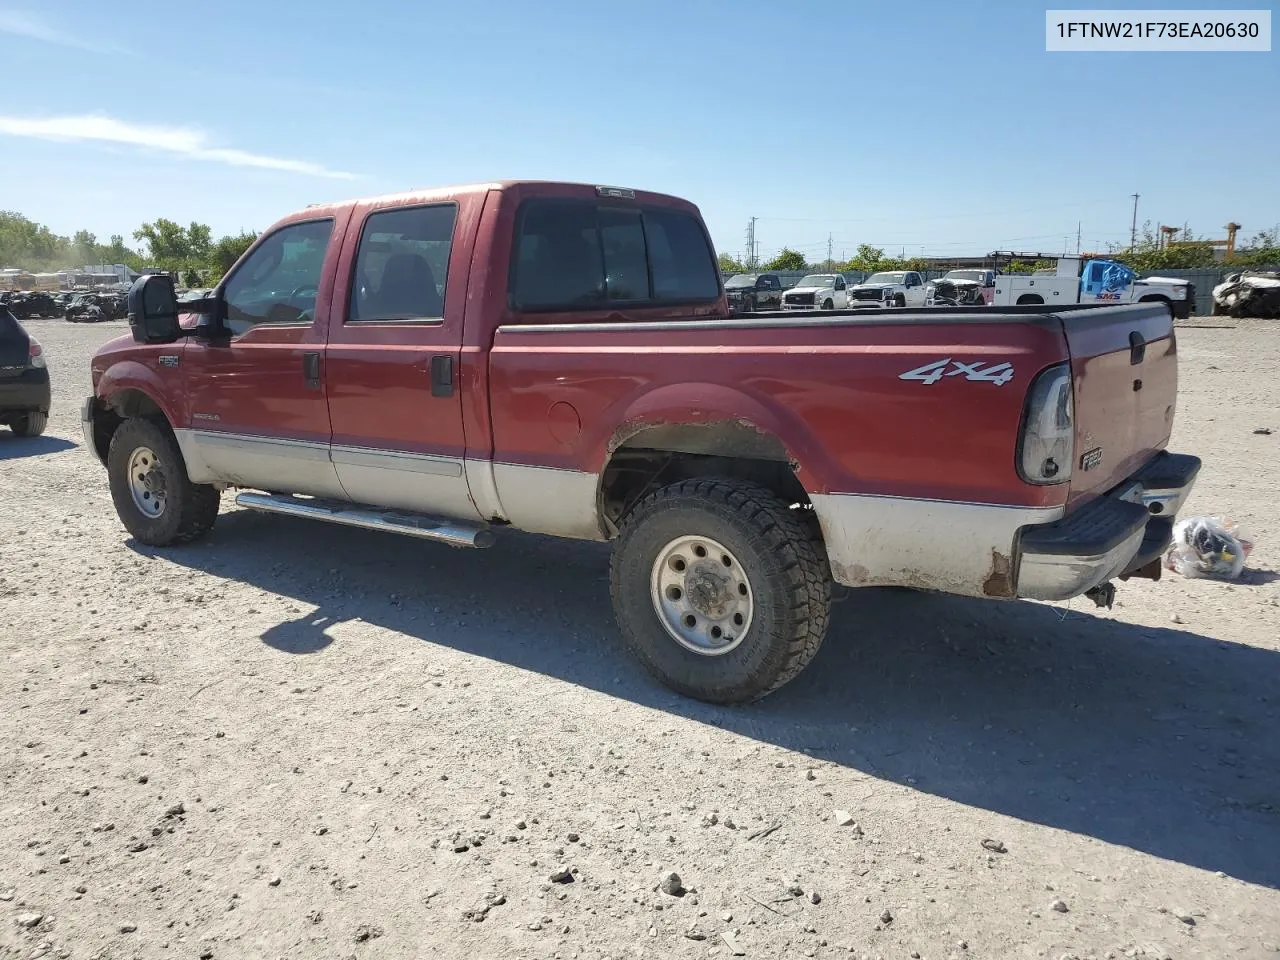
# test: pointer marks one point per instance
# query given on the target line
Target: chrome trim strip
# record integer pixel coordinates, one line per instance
(395, 460)
(269, 446)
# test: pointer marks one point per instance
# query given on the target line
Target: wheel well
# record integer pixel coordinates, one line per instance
(1028, 298)
(1153, 296)
(107, 416)
(665, 454)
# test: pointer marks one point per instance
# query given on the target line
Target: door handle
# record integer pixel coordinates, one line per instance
(1137, 348)
(442, 376)
(311, 369)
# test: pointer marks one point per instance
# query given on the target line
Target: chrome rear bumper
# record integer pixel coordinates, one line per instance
(1109, 537)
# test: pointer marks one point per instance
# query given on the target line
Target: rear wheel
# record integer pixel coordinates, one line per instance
(154, 498)
(29, 424)
(1027, 299)
(721, 590)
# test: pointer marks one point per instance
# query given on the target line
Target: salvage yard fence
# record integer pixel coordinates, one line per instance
(1204, 279)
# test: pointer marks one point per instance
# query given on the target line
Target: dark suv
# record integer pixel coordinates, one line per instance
(753, 291)
(24, 379)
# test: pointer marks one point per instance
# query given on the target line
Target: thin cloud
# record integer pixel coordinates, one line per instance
(179, 141)
(28, 25)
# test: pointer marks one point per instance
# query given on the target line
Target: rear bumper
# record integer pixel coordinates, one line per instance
(1109, 537)
(25, 393)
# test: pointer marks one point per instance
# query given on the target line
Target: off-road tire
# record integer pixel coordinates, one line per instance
(781, 551)
(190, 508)
(29, 424)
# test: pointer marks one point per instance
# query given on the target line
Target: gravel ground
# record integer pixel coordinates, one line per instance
(303, 741)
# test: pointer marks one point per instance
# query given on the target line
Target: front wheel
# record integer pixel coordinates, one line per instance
(721, 589)
(899, 301)
(155, 499)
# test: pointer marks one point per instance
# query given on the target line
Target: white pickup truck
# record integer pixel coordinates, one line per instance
(892, 288)
(1093, 281)
(818, 291)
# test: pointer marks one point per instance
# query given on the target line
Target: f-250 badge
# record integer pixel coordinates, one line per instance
(997, 373)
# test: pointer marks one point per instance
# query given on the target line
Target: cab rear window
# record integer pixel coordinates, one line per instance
(575, 255)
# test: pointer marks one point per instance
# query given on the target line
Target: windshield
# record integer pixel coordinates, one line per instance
(975, 275)
(817, 280)
(741, 280)
(886, 278)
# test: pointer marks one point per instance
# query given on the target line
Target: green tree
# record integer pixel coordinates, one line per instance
(787, 259)
(867, 259)
(199, 241)
(29, 245)
(729, 265)
(228, 250)
(168, 244)
(84, 248)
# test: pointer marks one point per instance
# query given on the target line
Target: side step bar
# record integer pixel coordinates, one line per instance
(452, 532)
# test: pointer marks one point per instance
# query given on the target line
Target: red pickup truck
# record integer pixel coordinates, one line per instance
(560, 358)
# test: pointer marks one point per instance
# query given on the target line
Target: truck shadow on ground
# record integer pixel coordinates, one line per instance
(14, 448)
(1161, 740)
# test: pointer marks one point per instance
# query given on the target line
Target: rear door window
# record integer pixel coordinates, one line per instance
(574, 255)
(402, 264)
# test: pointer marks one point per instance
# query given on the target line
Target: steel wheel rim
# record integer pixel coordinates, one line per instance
(146, 482)
(702, 595)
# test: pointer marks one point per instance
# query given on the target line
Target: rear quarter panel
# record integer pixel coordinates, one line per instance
(830, 390)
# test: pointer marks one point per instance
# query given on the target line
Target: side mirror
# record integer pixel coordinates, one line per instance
(153, 310)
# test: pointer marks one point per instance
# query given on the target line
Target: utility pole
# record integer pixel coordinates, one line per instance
(1077, 238)
(1133, 230)
(830, 262)
(751, 244)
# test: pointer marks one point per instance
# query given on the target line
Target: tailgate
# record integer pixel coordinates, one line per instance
(14, 345)
(1125, 366)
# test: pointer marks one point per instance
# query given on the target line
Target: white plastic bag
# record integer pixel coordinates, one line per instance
(1208, 547)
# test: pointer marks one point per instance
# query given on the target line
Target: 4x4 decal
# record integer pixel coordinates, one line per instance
(997, 373)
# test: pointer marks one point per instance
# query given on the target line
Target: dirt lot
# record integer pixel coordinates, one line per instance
(299, 741)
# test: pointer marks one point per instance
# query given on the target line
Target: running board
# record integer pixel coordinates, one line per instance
(452, 532)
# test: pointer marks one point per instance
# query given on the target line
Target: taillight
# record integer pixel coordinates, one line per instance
(1047, 445)
(35, 354)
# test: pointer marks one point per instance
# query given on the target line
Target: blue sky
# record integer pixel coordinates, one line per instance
(932, 127)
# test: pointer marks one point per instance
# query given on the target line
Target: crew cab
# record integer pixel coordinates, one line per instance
(889, 288)
(559, 359)
(1076, 280)
(749, 292)
(821, 291)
